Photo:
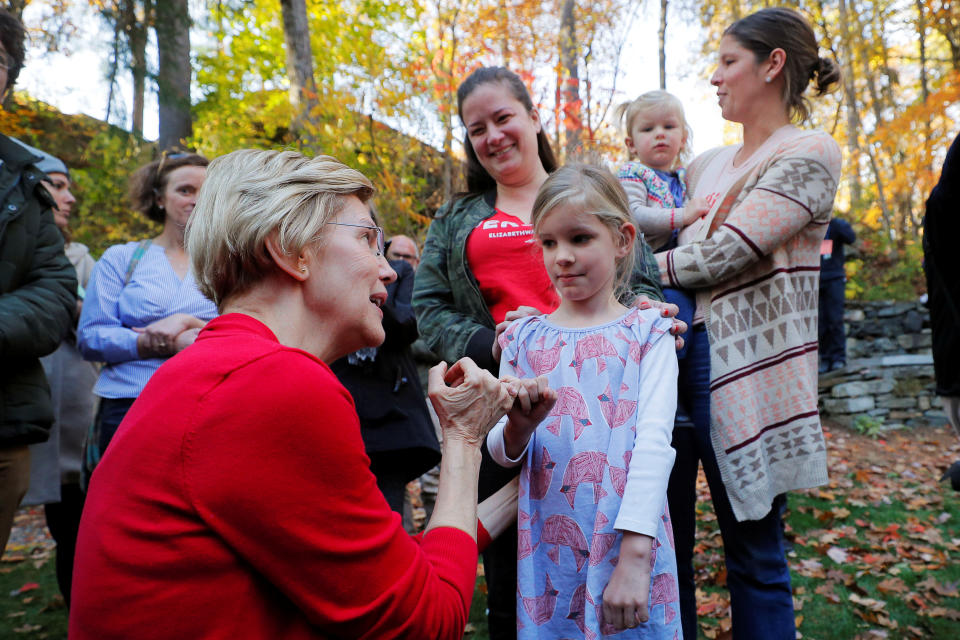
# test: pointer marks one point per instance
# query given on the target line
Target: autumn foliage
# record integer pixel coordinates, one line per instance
(385, 78)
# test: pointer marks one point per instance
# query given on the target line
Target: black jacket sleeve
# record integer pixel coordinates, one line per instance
(399, 320)
(36, 315)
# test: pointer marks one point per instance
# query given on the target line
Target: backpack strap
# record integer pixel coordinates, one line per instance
(138, 253)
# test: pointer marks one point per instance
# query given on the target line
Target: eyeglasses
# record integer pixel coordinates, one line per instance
(166, 155)
(6, 61)
(376, 245)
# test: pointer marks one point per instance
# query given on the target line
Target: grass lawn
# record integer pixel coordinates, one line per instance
(876, 553)
(30, 602)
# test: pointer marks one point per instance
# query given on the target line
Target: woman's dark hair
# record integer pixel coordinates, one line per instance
(478, 180)
(779, 28)
(149, 181)
(12, 34)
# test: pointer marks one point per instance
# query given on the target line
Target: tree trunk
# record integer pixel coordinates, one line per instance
(303, 88)
(854, 122)
(137, 41)
(922, 33)
(569, 60)
(853, 110)
(451, 98)
(443, 72)
(172, 27)
(662, 36)
(880, 20)
(558, 110)
(114, 62)
(502, 21)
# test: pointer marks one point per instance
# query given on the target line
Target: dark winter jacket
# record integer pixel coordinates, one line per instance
(831, 265)
(941, 229)
(38, 289)
(452, 314)
(397, 432)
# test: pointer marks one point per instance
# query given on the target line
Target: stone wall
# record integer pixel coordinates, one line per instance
(889, 372)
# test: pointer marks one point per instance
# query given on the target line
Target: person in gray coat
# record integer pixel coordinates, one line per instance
(55, 464)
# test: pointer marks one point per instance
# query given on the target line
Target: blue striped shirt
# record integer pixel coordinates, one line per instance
(111, 309)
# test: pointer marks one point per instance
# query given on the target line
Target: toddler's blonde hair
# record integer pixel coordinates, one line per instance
(594, 190)
(628, 112)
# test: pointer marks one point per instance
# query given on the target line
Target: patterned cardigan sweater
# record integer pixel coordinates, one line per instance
(756, 276)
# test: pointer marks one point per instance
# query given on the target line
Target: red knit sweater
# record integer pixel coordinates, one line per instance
(236, 501)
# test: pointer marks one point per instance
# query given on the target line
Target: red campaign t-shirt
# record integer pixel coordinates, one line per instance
(508, 265)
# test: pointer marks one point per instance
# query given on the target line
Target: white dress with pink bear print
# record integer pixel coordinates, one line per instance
(596, 466)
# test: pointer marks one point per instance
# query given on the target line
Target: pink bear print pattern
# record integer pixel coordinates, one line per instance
(567, 530)
(545, 360)
(563, 531)
(593, 347)
(540, 608)
(584, 467)
(569, 403)
(617, 412)
(542, 476)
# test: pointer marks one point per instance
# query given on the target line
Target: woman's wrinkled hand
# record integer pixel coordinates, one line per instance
(667, 310)
(520, 312)
(159, 339)
(468, 400)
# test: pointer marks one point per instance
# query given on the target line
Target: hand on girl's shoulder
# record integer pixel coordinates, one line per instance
(510, 328)
(511, 318)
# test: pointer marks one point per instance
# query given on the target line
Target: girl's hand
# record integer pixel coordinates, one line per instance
(667, 310)
(625, 598)
(520, 312)
(532, 404)
(696, 208)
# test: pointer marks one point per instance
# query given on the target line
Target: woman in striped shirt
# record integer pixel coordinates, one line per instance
(142, 303)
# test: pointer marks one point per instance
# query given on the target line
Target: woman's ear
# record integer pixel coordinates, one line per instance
(293, 265)
(535, 116)
(628, 236)
(775, 62)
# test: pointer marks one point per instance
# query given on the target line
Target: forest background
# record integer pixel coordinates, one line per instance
(374, 84)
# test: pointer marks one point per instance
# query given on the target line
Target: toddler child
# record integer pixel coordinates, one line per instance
(658, 140)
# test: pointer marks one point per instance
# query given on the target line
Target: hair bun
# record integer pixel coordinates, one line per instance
(827, 73)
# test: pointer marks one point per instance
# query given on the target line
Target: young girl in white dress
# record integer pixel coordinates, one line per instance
(595, 554)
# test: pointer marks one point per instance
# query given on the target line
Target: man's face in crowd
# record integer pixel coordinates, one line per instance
(403, 248)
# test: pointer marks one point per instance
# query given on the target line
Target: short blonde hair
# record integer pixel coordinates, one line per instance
(249, 194)
(594, 190)
(628, 112)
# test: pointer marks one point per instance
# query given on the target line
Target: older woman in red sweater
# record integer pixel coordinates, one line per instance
(237, 500)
